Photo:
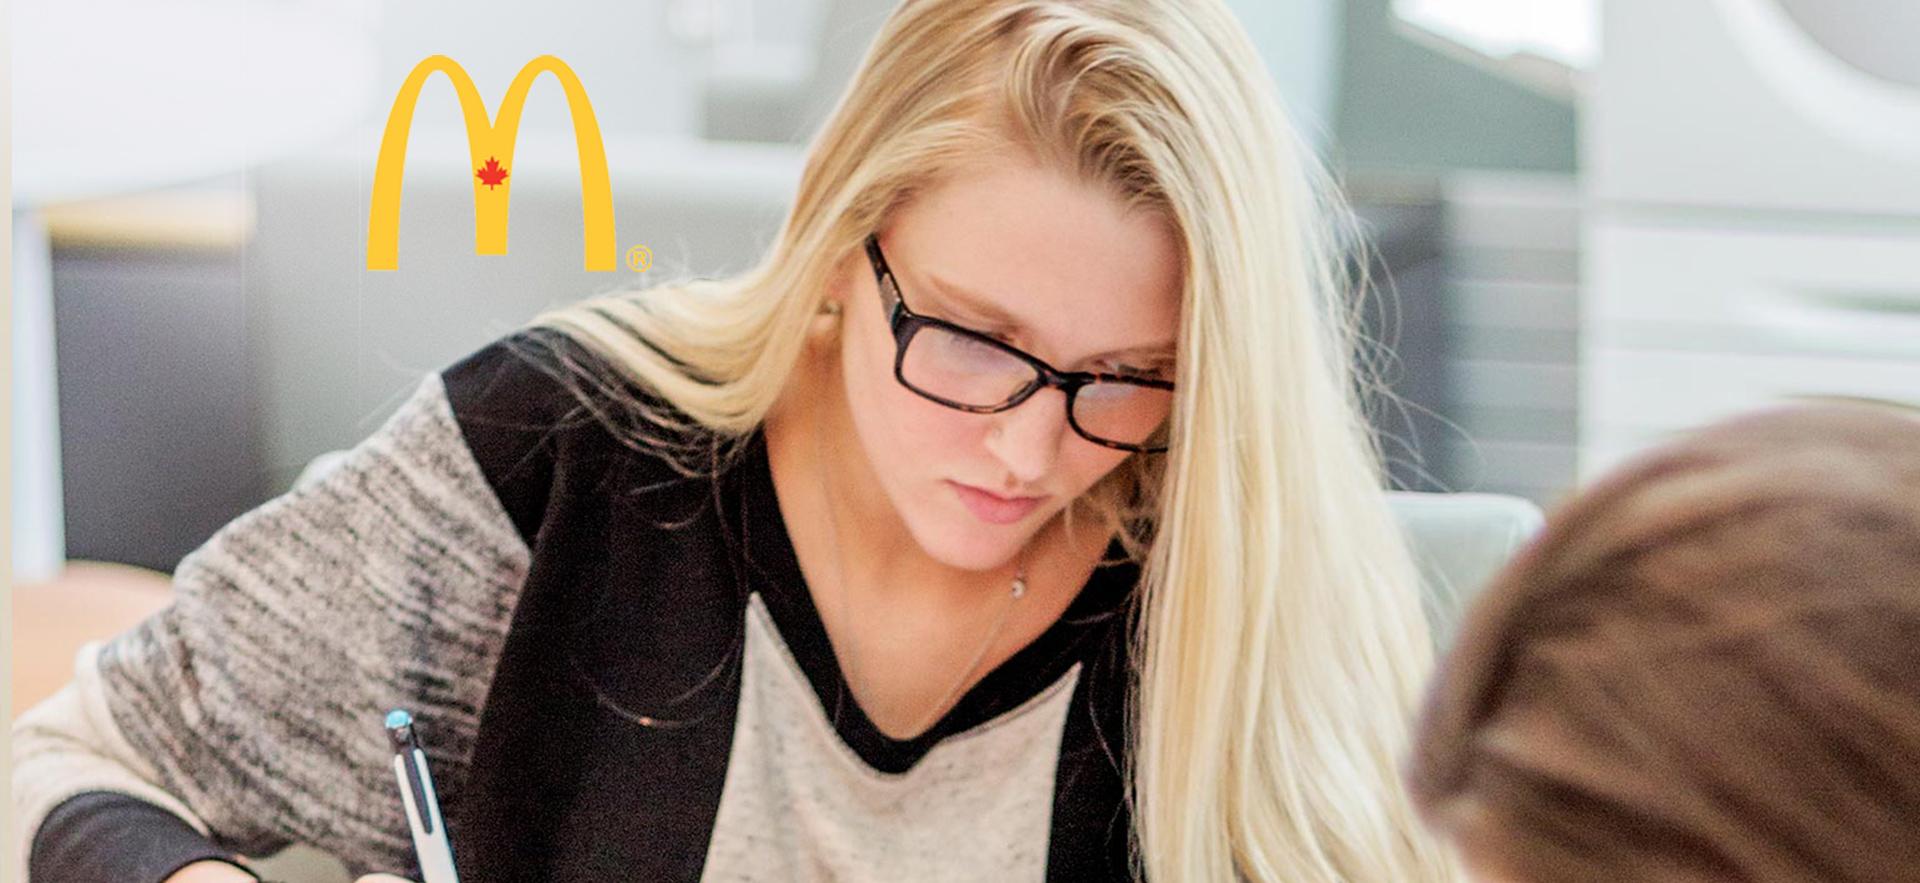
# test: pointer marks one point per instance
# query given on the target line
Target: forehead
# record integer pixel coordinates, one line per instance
(1066, 262)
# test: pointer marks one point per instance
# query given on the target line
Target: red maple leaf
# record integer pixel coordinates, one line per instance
(491, 174)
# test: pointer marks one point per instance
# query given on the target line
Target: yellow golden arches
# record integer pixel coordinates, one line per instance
(491, 147)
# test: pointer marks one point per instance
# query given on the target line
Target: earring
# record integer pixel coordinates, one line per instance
(826, 321)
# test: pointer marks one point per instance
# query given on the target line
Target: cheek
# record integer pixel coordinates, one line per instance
(1086, 463)
(897, 425)
(933, 435)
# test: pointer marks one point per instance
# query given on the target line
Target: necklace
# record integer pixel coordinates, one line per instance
(1016, 591)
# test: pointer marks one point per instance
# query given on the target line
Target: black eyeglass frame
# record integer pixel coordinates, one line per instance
(905, 323)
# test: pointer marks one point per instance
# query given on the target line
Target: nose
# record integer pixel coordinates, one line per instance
(1028, 436)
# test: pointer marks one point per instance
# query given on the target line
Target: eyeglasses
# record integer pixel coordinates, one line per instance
(974, 372)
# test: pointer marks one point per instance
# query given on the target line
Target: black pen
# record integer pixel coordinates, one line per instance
(430, 842)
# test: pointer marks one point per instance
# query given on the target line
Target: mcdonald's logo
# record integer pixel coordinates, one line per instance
(490, 144)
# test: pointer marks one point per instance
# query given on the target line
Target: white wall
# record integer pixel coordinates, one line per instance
(1300, 41)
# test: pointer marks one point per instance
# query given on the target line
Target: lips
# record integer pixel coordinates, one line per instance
(993, 508)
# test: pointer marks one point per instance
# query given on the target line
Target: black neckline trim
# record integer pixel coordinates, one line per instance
(1098, 610)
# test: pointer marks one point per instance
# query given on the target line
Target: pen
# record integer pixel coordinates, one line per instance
(430, 842)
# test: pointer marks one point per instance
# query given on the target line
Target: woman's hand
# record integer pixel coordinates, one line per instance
(221, 872)
(211, 872)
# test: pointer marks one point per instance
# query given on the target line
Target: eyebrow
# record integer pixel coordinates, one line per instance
(1002, 322)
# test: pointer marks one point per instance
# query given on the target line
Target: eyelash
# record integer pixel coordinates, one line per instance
(1146, 374)
(1122, 370)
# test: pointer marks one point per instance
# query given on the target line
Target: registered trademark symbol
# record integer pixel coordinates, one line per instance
(640, 258)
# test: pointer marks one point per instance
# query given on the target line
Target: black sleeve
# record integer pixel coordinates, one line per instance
(151, 842)
(510, 402)
(535, 398)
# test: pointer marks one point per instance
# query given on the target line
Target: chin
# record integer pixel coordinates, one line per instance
(953, 536)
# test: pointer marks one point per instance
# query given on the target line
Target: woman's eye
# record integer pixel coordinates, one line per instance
(1137, 373)
(977, 326)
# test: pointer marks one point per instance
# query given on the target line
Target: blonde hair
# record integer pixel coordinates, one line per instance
(1280, 643)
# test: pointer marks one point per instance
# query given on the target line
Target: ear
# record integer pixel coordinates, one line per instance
(845, 280)
(825, 323)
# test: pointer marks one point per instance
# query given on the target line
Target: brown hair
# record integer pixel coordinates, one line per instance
(1707, 667)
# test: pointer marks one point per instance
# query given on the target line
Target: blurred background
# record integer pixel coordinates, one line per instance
(1593, 222)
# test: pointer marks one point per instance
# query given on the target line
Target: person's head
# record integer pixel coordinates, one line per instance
(1706, 668)
(1112, 186)
(1057, 269)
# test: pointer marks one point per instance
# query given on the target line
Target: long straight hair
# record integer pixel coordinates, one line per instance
(1702, 670)
(1280, 641)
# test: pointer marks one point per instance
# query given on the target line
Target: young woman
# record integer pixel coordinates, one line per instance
(1012, 519)
(1704, 670)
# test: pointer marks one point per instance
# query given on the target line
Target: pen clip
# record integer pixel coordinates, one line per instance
(406, 746)
(411, 760)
